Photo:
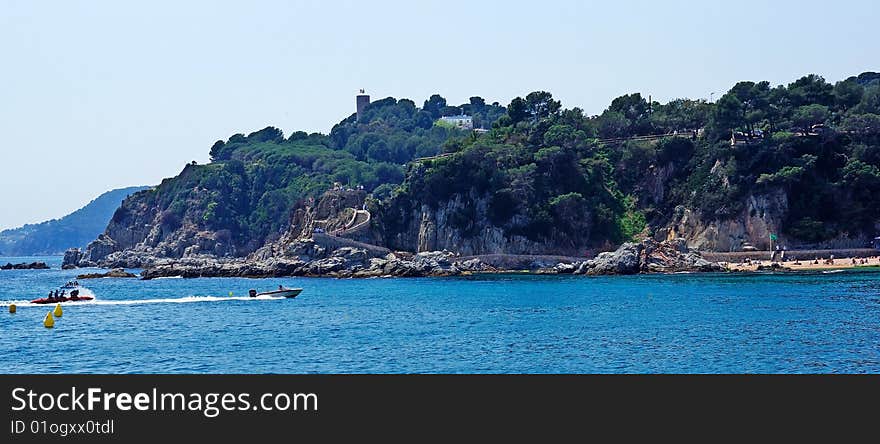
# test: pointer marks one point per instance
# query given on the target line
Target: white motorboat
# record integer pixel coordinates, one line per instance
(289, 293)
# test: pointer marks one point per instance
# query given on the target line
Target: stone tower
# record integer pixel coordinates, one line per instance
(362, 101)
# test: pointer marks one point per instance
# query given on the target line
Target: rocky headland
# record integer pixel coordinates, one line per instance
(389, 193)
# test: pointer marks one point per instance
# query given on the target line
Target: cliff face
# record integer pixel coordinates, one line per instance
(462, 224)
(763, 214)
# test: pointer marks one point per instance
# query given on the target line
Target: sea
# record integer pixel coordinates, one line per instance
(506, 323)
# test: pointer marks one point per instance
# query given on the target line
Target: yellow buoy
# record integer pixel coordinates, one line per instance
(58, 312)
(49, 322)
(12, 308)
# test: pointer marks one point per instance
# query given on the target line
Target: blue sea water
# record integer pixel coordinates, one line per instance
(736, 323)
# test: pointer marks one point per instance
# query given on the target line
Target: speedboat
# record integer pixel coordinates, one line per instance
(74, 297)
(288, 293)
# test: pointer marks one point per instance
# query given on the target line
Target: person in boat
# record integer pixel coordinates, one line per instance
(50, 297)
(280, 288)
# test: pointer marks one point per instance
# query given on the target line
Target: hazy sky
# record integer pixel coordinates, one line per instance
(96, 95)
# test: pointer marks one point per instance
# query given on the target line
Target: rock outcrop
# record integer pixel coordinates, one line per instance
(348, 262)
(72, 259)
(649, 257)
(114, 273)
(25, 266)
(345, 262)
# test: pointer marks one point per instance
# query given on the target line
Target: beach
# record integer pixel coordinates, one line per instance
(806, 265)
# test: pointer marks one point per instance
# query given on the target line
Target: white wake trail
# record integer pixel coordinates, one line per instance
(183, 300)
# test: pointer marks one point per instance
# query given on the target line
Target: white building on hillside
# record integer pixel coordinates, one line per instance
(463, 121)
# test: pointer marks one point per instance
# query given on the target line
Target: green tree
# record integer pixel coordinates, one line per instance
(848, 94)
(807, 116)
(811, 89)
(864, 124)
(434, 106)
(613, 124)
(518, 110)
(540, 104)
(870, 103)
(729, 115)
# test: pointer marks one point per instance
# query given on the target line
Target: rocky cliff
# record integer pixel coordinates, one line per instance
(138, 233)
(462, 224)
(762, 215)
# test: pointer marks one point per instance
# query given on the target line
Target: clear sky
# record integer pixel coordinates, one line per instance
(96, 95)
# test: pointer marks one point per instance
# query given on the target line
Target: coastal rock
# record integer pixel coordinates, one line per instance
(100, 248)
(565, 268)
(343, 262)
(25, 266)
(649, 256)
(305, 250)
(625, 260)
(115, 273)
(207, 266)
(350, 254)
(72, 258)
(474, 266)
(773, 267)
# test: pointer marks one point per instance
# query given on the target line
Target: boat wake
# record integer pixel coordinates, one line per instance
(183, 300)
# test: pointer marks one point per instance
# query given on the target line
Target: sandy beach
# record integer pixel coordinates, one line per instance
(808, 265)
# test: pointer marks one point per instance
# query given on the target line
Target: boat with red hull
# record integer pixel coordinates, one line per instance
(60, 299)
(73, 297)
